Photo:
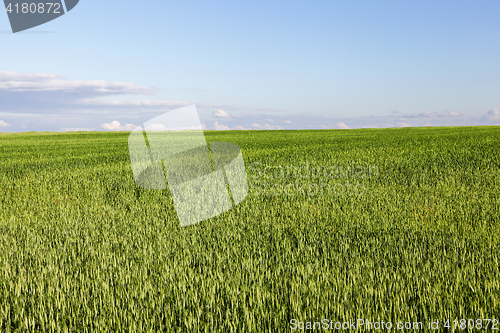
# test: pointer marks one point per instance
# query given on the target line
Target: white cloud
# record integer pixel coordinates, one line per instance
(219, 113)
(203, 127)
(27, 92)
(144, 103)
(115, 126)
(493, 116)
(75, 129)
(154, 127)
(266, 126)
(47, 93)
(403, 122)
(161, 127)
(15, 76)
(272, 127)
(241, 128)
(22, 82)
(422, 115)
(341, 125)
(220, 127)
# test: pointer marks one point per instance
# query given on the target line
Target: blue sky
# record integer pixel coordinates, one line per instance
(255, 64)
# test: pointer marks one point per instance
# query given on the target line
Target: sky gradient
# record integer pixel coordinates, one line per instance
(255, 65)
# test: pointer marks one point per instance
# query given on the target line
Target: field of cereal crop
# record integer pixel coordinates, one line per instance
(399, 225)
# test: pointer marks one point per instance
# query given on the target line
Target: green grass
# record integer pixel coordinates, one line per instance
(83, 249)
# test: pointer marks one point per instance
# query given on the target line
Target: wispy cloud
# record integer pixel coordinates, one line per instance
(266, 126)
(403, 122)
(47, 92)
(422, 115)
(23, 82)
(31, 77)
(143, 103)
(32, 92)
(272, 127)
(76, 129)
(46, 101)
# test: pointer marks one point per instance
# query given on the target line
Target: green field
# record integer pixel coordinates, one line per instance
(399, 225)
